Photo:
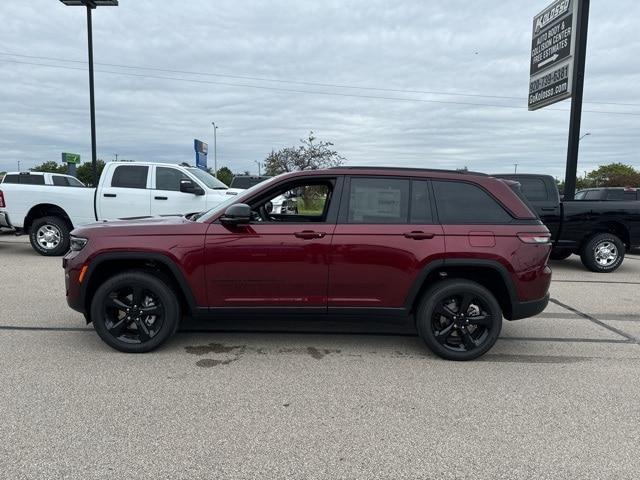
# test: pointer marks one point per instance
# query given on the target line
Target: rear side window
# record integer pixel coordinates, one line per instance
(534, 189)
(420, 202)
(615, 194)
(169, 179)
(465, 203)
(31, 179)
(631, 195)
(378, 200)
(11, 179)
(130, 176)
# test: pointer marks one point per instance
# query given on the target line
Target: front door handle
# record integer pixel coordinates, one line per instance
(110, 195)
(161, 198)
(309, 234)
(417, 235)
(548, 209)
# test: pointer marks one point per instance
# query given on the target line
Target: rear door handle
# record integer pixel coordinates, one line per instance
(110, 195)
(417, 235)
(548, 209)
(161, 198)
(309, 234)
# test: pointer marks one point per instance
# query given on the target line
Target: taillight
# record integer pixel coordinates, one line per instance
(2, 204)
(537, 238)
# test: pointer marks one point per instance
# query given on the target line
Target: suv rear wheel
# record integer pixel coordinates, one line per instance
(135, 312)
(459, 319)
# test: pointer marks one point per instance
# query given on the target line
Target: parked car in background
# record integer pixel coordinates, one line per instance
(47, 211)
(600, 232)
(451, 252)
(42, 178)
(608, 193)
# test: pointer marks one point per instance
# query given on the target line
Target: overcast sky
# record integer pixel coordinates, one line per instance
(267, 72)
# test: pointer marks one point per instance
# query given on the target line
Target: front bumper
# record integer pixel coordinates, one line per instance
(531, 308)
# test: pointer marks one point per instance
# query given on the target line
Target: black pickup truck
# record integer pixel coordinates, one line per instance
(599, 231)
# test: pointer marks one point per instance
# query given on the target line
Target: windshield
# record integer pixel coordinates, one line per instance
(209, 180)
(221, 207)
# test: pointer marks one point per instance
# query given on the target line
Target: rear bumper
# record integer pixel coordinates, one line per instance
(4, 220)
(531, 308)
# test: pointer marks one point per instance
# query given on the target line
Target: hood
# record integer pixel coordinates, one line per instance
(170, 224)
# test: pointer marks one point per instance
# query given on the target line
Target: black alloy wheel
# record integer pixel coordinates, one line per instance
(135, 312)
(459, 319)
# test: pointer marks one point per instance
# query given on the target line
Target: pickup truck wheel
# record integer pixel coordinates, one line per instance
(459, 319)
(135, 312)
(603, 253)
(560, 254)
(49, 236)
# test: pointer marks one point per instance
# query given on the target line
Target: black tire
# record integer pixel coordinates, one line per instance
(50, 236)
(451, 335)
(560, 254)
(603, 253)
(135, 326)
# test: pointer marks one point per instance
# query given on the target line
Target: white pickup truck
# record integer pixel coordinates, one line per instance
(48, 209)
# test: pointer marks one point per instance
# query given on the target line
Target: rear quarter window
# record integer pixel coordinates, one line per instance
(466, 203)
(11, 179)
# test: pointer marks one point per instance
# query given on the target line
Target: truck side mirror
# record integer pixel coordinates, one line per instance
(187, 186)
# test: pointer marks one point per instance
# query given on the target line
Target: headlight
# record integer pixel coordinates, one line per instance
(78, 243)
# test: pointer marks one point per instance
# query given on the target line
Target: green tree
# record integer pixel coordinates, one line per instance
(225, 175)
(311, 155)
(614, 175)
(50, 167)
(84, 172)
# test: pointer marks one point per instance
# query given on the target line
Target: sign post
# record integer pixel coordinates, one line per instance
(558, 47)
(71, 159)
(201, 149)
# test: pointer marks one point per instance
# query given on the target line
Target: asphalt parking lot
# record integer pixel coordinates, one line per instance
(557, 397)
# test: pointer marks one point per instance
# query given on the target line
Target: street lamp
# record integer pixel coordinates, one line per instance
(90, 5)
(258, 163)
(215, 150)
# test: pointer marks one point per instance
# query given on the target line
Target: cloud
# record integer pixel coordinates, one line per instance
(455, 47)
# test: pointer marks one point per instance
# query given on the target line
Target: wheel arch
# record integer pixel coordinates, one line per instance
(489, 273)
(45, 210)
(106, 265)
(619, 229)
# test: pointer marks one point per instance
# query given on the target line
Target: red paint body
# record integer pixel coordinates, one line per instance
(349, 266)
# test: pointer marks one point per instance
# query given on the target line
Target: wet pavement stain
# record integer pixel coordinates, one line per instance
(212, 362)
(212, 348)
(319, 354)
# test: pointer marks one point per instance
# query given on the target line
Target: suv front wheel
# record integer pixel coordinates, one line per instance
(459, 319)
(135, 312)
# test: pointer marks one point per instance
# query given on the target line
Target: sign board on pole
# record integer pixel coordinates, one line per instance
(201, 149)
(72, 158)
(552, 54)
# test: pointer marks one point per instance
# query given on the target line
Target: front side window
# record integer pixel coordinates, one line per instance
(169, 179)
(378, 200)
(130, 176)
(464, 203)
(299, 202)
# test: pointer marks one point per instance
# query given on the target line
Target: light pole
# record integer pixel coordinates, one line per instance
(258, 163)
(515, 168)
(90, 5)
(215, 150)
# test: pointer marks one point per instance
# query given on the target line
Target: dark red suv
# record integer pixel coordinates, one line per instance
(453, 252)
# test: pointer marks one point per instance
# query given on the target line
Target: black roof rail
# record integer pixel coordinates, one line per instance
(410, 169)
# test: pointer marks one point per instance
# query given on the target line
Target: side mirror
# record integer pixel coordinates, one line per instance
(238, 214)
(187, 186)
